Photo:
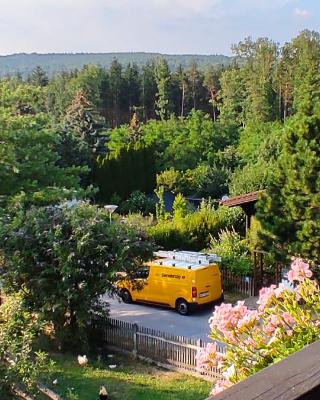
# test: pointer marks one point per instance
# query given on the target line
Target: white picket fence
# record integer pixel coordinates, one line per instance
(165, 349)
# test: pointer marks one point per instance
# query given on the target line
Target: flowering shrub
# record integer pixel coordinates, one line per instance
(233, 250)
(287, 319)
(20, 362)
(74, 252)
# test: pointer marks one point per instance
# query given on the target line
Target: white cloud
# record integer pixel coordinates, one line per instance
(302, 13)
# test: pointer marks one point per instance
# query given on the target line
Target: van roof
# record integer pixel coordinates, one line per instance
(169, 262)
(185, 259)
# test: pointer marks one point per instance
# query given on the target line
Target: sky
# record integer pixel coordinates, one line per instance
(165, 26)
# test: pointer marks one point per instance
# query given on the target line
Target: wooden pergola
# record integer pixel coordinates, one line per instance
(246, 202)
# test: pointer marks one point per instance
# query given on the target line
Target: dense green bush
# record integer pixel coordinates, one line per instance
(169, 236)
(138, 221)
(203, 181)
(194, 230)
(180, 143)
(180, 207)
(206, 181)
(233, 250)
(74, 253)
(20, 362)
(171, 180)
(138, 202)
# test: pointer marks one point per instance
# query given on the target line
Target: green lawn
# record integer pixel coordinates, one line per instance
(130, 380)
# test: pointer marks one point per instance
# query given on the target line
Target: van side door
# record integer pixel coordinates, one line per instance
(141, 279)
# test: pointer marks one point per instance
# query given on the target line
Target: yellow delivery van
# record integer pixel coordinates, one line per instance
(182, 280)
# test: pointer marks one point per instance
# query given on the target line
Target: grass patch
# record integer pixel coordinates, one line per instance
(130, 380)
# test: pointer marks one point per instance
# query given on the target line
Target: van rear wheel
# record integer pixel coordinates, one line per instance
(126, 296)
(182, 307)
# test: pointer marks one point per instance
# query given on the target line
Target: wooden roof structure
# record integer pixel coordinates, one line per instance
(246, 201)
(246, 198)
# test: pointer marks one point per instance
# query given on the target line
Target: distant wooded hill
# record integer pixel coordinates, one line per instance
(51, 63)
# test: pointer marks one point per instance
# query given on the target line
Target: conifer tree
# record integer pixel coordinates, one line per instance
(182, 83)
(306, 58)
(284, 81)
(212, 83)
(131, 77)
(195, 79)
(81, 121)
(117, 84)
(233, 94)
(148, 91)
(261, 57)
(39, 77)
(290, 212)
(162, 76)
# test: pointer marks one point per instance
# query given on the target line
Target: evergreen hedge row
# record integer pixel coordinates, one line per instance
(132, 168)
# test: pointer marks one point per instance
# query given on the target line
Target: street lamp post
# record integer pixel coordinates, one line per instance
(111, 208)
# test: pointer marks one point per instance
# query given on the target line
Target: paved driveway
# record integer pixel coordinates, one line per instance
(167, 320)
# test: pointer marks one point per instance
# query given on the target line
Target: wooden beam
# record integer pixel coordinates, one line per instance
(48, 392)
(21, 394)
(295, 378)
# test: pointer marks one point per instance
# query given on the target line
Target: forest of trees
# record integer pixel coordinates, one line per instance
(74, 141)
(203, 132)
(56, 62)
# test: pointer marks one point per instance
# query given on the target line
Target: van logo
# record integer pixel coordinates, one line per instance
(173, 276)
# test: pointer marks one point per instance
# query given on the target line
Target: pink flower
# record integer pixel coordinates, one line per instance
(226, 317)
(266, 295)
(288, 319)
(249, 319)
(279, 290)
(273, 323)
(276, 321)
(208, 357)
(249, 342)
(299, 271)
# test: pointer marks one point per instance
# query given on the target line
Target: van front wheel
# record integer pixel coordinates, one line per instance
(182, 307)
(126, 296)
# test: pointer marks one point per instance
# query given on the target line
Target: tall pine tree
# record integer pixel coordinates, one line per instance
(81, 120)
(290, 212)
(163, 77)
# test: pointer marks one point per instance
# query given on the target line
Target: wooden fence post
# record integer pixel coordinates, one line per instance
(135, 328)
(199, 343)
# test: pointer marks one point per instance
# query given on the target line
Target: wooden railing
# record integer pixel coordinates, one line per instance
(237, 283)
(169, 351)
(295, 378)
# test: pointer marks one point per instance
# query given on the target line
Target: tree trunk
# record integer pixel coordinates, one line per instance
(194, 95)
(182, 100)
